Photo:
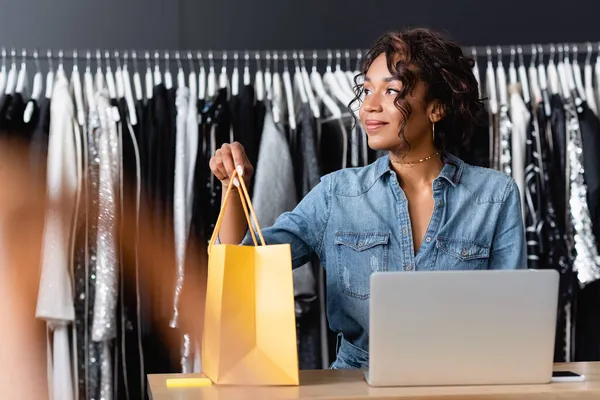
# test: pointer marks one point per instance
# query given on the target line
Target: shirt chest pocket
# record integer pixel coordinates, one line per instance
(358, 255)
(461, 254)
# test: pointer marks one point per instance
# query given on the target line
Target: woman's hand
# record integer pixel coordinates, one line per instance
(229, 158)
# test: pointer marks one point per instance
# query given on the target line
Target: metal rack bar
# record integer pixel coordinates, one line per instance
(250, 55)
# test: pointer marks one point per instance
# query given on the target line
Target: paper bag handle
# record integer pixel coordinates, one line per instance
(246, 204)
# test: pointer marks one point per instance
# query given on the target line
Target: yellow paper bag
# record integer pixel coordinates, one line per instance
(250, 321)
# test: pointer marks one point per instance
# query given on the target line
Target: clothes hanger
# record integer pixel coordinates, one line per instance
(127, 88)
(289, 93)
(543, 79)
(77, 91)
(277, 91)
(201, 78)
(247, 79)
(349, 72)
(3, 72)
(223, 78)
(22, 76)
(119, 76)
(158, 80)
(314, 106)
(88, 82)
(341, 77)
(37, 89)
(476, 70)
(259, 80)
(235, 76)
(512, 70)
(359, 57)
(99, 77)
(168, 76)
(110, 78)
(212, 77)
(268, 77)
(180, 71)
(552, 72)
(491, 83)
(563, 76)
(319, 87)
(38, 80)
(332, 84)
(137, 79)
(149, 78)
(49, 76)
(192, 79)
(523, 77)
(501, 80)
(576, 69)
(11, 81)
(298, 80)
(589, 80)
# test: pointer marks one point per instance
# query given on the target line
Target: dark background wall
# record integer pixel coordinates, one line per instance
(285, 24)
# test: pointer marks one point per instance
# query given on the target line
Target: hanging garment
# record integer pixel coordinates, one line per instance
(218, 126)
(311, 171)
(129, 350)
(333, 147)
(558, 150)
(505, 140)
(38, 148)
(246, 132)
(587, 261)
(588, 298)
(478, 151)
(104, 324)
(274, 191)
(180, 201)
(85, 273)
(520, 119)
(306, 294)
(533, 192)
(13, 116)
(55, 296)
(590, 138)
(554, 251)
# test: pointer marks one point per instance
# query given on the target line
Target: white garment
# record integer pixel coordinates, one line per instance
(55, 296)
(191, 147)
(180, 196)
(520, 117)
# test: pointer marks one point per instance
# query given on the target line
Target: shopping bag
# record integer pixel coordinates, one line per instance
(250, 322)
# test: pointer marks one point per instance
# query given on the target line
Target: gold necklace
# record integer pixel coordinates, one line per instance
(416, 162)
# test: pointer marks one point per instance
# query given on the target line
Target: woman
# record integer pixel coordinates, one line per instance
(418, 208)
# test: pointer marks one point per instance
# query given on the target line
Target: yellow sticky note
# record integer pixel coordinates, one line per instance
(188, 382)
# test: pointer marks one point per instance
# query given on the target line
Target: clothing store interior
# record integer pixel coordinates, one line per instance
(116, 273)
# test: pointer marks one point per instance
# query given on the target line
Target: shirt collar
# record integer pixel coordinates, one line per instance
(452, 171)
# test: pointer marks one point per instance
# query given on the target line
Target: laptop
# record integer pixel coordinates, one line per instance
(462, 327)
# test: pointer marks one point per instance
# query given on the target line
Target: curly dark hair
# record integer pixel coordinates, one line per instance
(422, 54)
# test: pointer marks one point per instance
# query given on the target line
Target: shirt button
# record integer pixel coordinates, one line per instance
(408, 267)
(360, 244)
(404, 231)
(428, 239)
(439, 183)
(464, 252)
(441, 203)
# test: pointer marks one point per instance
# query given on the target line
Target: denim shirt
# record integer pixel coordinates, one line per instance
(357, 222)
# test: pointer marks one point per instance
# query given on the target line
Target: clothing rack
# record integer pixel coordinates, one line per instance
(587, 48)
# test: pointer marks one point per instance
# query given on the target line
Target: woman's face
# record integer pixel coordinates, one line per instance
(382, 119)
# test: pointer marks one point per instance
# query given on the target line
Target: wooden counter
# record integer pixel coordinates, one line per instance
(350, 385)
